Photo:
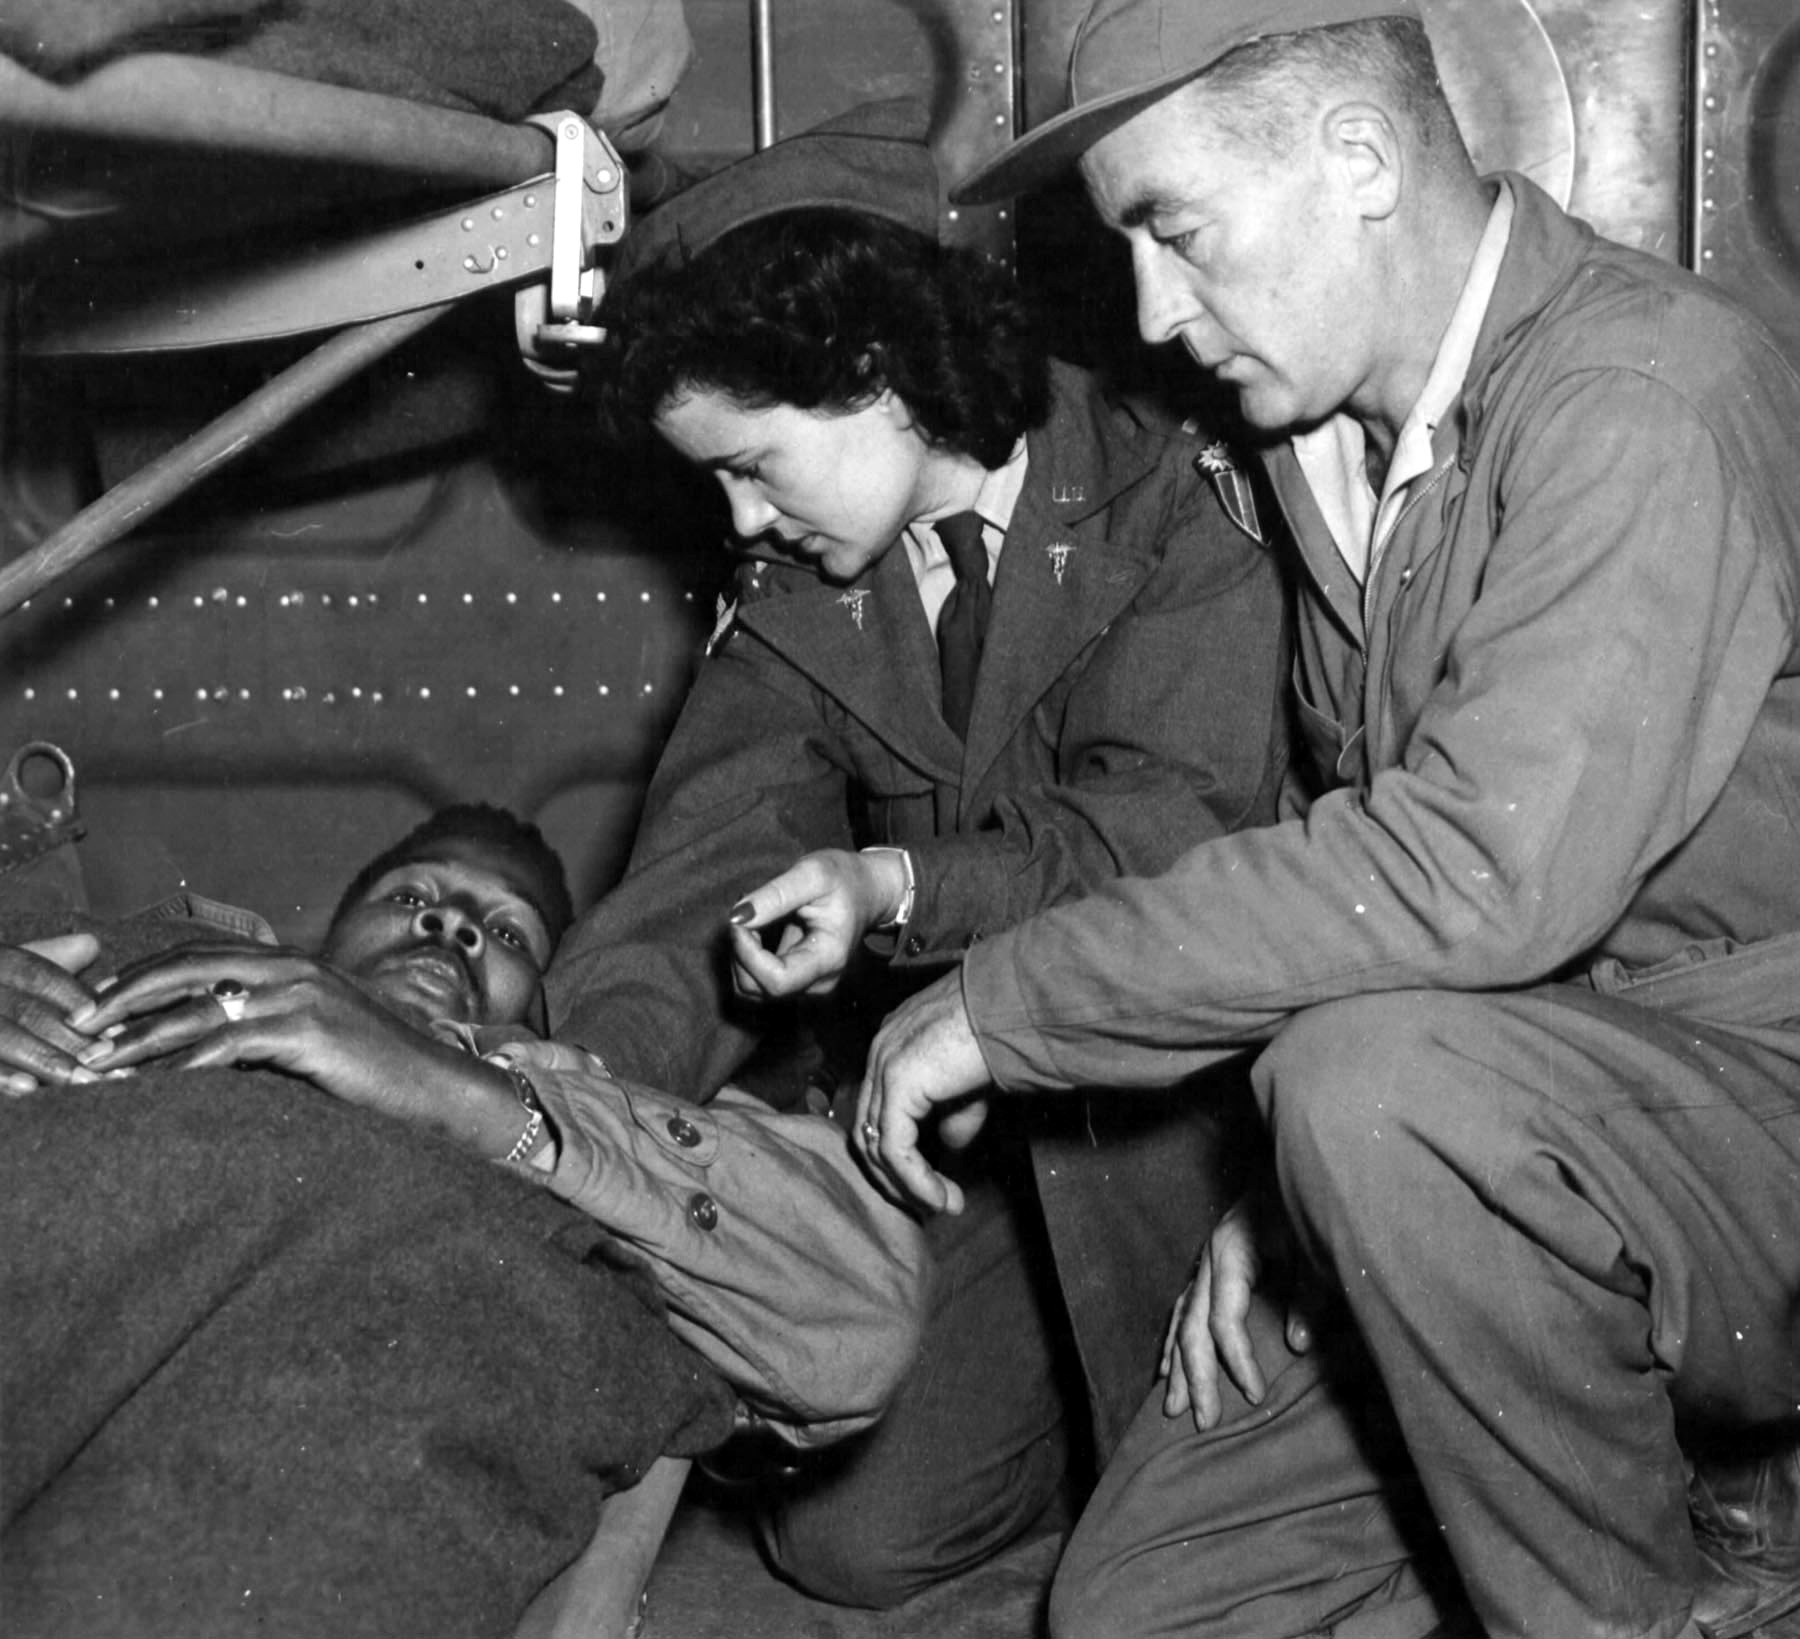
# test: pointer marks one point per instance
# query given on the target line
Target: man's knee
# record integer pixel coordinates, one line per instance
(857, 1540)
(846, 1556)
(1354, 1090)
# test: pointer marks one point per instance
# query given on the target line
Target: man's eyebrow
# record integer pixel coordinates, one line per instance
(1138, 210)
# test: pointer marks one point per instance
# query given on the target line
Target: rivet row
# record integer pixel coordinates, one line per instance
(298, 691)
(351, 600)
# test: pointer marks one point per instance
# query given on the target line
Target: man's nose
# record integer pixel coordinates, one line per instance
(448, 923)
(1164, 302)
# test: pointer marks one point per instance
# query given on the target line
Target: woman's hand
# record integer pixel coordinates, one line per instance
(824, 904)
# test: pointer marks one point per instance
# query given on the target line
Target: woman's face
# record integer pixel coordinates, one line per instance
(833, 487)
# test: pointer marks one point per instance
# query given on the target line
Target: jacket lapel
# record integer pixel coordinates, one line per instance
(1062, 577)
(868, 646)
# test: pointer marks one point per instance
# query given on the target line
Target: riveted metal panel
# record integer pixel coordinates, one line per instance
(1745, 198)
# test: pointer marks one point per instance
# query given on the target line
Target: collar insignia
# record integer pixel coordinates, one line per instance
(1232, 485)
(724, 618)
(853, 601)
(1059, 552)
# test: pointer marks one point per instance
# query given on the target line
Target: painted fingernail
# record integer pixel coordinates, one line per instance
(741, 913)
(82, 1076)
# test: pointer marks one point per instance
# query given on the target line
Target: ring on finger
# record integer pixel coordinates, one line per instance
(871, 1134)
(231, 995)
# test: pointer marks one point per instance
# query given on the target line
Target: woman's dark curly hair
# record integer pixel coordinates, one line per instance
(822, 309)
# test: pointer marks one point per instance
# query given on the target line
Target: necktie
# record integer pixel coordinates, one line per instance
(962, 622)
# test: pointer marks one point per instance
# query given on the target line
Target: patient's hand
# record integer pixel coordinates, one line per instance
(38, 992)
(823, 904)
(298, 1015)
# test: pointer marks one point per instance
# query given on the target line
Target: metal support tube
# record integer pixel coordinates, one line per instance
(762, 70)
(135, 499)
(222, 107)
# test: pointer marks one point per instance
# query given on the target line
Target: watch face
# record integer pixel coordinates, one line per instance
(527, 1093)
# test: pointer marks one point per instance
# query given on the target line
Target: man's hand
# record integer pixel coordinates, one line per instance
(1209, 1326)
(824, 903)
(38, 993)
(298, 1015)
(925, 1063)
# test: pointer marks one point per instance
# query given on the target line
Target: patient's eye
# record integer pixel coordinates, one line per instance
(412, 898)
(511, 936)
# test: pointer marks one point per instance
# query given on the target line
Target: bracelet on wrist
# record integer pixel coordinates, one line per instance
(535, 1132)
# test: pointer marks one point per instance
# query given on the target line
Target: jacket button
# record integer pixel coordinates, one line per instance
(703, 1211)
(915, 946)
(683, 1131)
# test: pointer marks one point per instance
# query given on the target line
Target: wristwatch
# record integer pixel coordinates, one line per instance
(904, 914)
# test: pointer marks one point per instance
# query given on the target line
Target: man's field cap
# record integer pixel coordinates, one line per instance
(1129, 54)
(873, 159)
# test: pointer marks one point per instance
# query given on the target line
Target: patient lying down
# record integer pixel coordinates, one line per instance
(337, 1300)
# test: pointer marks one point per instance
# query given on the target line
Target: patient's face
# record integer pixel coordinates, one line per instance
(450, 937)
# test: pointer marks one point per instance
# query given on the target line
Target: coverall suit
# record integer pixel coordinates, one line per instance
(1530, 964)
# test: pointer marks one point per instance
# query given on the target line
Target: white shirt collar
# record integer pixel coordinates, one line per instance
(1334, 455)
(995, 500)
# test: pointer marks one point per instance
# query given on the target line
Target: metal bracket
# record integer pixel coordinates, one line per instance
(591, 210)
(546, 230)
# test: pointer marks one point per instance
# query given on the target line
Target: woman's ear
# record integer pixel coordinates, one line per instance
(871, 368)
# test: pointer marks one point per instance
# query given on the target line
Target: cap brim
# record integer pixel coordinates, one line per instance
(1043, 154)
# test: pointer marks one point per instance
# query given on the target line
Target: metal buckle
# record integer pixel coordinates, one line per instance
(30, 825)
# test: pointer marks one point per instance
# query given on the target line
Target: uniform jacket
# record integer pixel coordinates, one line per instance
(778, 1264)
(1127, 703)
(1557, 735)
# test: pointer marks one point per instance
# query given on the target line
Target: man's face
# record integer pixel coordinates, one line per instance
(1249, 260)
(451, 937)
(834, 487)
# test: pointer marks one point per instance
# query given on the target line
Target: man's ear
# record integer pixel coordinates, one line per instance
(1363, 144)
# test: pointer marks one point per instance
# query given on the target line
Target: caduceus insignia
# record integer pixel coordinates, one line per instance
(1058, 553)
(853, 601)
